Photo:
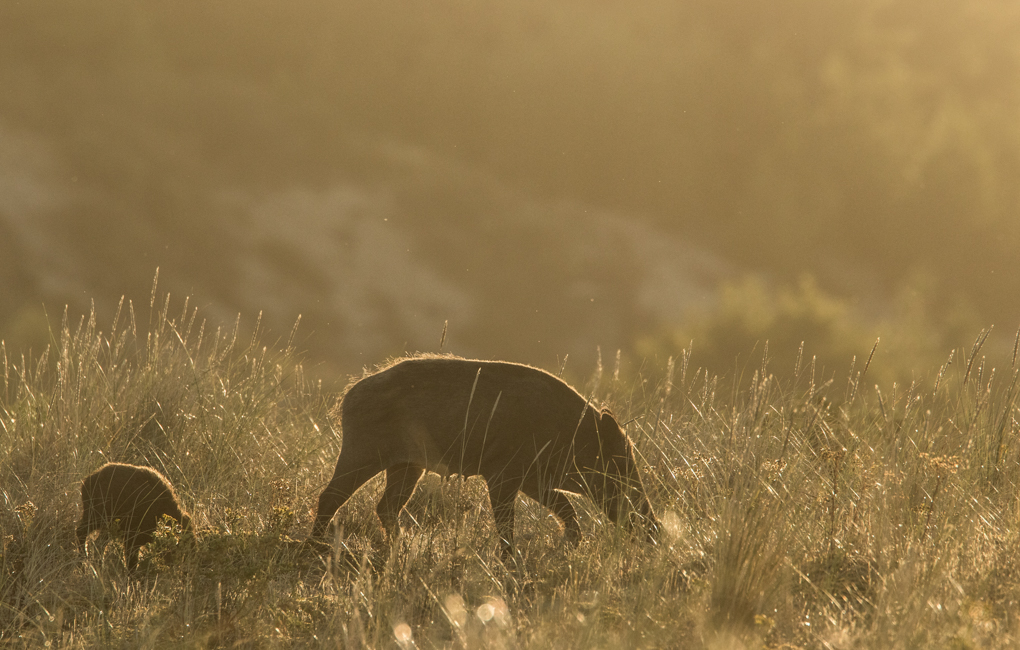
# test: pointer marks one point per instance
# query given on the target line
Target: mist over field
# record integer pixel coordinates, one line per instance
(773, 236)
(550, 178)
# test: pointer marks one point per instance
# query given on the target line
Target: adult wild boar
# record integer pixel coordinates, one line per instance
(520, 428)
(137, 496)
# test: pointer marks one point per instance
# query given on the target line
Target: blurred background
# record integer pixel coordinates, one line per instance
(551, 177)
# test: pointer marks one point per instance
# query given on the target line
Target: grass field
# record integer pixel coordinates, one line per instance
(818, 512)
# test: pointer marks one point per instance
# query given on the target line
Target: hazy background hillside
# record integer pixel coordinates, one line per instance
(547, 176)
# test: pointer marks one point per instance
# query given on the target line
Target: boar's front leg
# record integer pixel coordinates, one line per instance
(561, 507)
(132, 545)
(503, 496)
(560, 504)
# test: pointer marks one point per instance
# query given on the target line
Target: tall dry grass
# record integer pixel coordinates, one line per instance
(807, 513)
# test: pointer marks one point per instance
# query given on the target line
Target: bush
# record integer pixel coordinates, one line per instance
(805, 329)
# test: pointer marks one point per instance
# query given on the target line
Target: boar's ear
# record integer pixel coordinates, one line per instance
(608, 423)
(606, 416)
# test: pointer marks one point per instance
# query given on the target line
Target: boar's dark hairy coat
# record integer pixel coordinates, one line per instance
(520, 428)
(136, 496)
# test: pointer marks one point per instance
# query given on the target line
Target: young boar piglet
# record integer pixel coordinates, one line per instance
(137, 496)
(520, 428)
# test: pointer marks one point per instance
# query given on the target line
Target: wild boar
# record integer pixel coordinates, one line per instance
(520, 428)
(137, 496)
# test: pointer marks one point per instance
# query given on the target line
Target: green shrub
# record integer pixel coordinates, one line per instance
(804, 329)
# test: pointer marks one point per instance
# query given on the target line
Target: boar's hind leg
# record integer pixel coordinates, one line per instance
(340, 488)
(85, 526)
(400, 482)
